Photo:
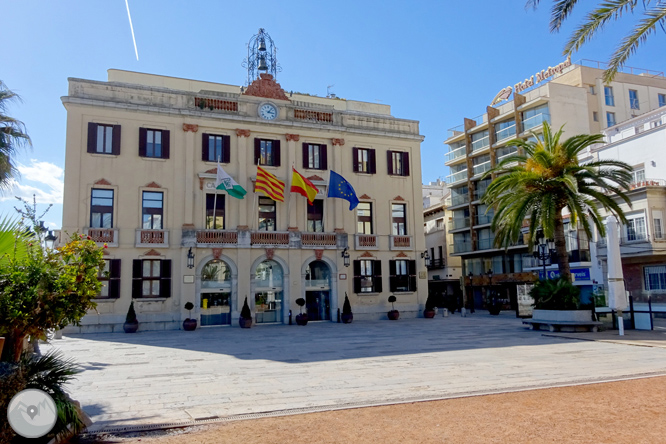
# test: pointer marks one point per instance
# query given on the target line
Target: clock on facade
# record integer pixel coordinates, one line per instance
(268, 111)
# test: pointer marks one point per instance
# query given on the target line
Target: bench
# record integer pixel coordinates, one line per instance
(553, 326)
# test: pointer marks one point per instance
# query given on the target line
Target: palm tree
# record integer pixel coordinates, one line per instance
(544, 179)
(12, 136)
(654, 13)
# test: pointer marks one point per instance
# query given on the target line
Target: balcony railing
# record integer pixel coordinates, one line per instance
(152, 238)
(269, 238)
(458, 223)
(505, 133)
(400, 242)
(480, 144)
(506, 152)
(440, 262)
(535, 121)
(486, 244)
(459, 199)
(456, 131)
(456, 177)
(313, 116)
(482, 168)
(211, 104)
(318, 239)
(457, 153)
(478, 194)
(366, 242)
(108, 236)
(217, 237)
(460, 247)
(483, 219)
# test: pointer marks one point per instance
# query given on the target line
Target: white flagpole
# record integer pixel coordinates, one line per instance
(215, 198)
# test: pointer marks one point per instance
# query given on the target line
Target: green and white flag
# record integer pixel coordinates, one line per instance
(224, 182)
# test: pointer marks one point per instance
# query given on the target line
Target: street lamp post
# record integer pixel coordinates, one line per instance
(543, 250)
(471, 286)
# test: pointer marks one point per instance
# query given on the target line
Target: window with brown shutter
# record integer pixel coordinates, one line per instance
(103, 139)
(151, 278)
(364, 160)
(398, 163)
(267, 152)
(154, 143)
(110, 280)
(215, 148)
(367, 276)
(402, 275)
(314, 156)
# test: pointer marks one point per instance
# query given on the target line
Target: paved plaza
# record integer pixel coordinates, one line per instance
(168, 377)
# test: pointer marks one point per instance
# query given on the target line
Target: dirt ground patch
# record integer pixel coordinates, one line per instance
(631, 411)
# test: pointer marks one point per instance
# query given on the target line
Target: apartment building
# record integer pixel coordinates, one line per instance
(641, 143)
(568, 94)
(140, 177)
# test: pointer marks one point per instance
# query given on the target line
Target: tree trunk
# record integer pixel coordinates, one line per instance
(13, 348)
(561, 248)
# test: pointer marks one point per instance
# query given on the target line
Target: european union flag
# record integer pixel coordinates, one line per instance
(339, 187)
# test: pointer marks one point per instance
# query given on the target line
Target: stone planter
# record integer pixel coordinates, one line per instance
(563, 315)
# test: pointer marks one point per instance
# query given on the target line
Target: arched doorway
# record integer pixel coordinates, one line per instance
(216, 293)
(318, 291)
(268, 292)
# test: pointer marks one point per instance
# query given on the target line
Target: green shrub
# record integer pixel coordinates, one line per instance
(555, 294)
(346, 307)
(48, 373)
(245, 311)
(131, 314)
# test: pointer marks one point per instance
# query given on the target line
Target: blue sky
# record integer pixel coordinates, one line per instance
(432, 61)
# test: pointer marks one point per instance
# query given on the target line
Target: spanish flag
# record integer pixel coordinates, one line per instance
(270, 185)
(303, 186)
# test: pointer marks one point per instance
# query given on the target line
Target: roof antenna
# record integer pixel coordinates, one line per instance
(328, 92)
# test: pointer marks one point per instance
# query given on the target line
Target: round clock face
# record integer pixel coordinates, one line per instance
(268, 111)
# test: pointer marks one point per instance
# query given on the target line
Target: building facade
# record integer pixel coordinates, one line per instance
(567, 94)
(140, 177)
(640, 142)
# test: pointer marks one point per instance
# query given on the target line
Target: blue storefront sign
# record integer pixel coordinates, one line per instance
(578, 274)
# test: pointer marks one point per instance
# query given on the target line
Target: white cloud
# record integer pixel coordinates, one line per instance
(46, 183)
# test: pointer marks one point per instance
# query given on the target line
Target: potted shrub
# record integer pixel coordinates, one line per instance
(245, 320)
(189, 324)
(429, 311)
(131, 324)
(347, 316)
(301, 318)
(393, 314)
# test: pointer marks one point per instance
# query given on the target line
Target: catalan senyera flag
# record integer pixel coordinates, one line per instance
(270, 185)
(301, 185)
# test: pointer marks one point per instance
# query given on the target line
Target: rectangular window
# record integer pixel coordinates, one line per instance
(215, 148)
(662, 99)
(636, 229)
(215, 211)
(480, 140)
(364, 160)
(633, 99)
(110, 279)
(402, 275)
(103, 139)
(154, 143)
(266, 152)
(638, 176)
(314, 156)
(316, 216)
(267, 220)
(101, 208)
(657, 218)
(593, 91)
(398, 163)
(151, 278)
(610, 119)
(367, 276)
(655, 278)
(608, 93)
(595, 116)
(399, 219)
(152, 210)
(364, 218)
(505, 130)
(439, 224)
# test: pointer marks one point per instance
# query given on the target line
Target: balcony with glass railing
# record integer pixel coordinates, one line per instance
(537, 120)
(456, 131)
(481, 168)
(480, 144)
(486, 244)
(505, 152)
(505, 133)
(484, 219)
(460, 247)
(456, 177)
(456, 154)
(458, 223)
(478, 194)
(459, 199)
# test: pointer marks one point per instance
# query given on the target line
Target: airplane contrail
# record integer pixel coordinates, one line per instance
(132, 28)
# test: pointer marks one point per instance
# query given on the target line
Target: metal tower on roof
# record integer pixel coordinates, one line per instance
(261, 56)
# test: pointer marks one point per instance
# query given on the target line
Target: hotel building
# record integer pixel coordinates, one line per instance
(140, 173)
(567, 94)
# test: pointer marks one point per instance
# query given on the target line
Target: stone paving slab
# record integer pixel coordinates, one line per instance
(177, 376)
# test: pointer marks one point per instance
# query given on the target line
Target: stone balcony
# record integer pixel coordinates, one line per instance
(101, 236)
(193, 237)
(151, 238)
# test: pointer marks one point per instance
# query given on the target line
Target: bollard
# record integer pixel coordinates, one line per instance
(289, 317)
(463, 312)
(338, 315)
(445, 312)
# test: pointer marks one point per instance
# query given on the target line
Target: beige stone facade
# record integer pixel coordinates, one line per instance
(140, 178)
